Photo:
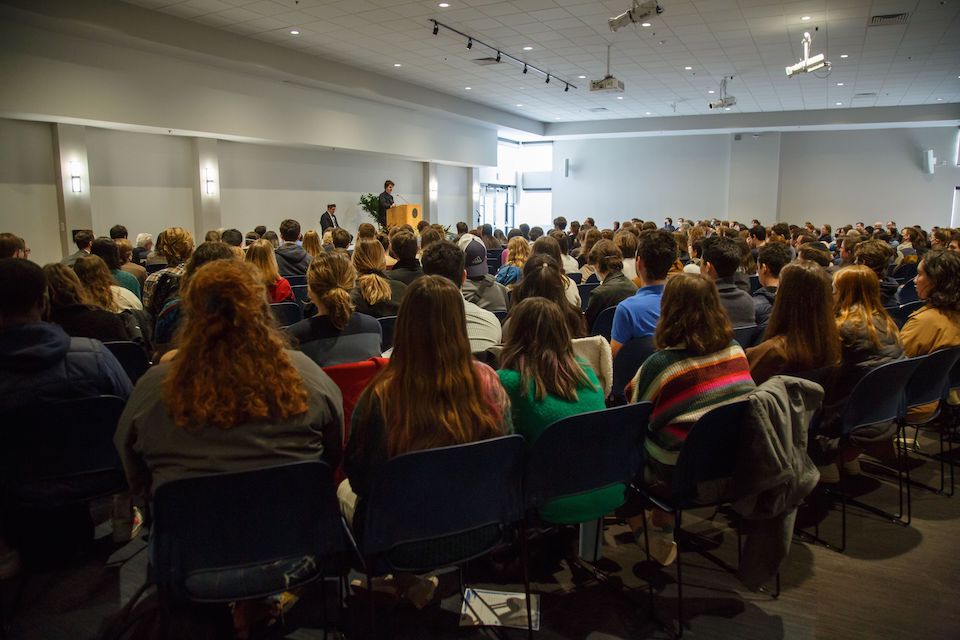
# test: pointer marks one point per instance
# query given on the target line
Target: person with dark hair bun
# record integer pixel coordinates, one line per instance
(614, 287)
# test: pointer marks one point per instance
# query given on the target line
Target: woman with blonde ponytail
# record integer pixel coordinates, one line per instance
(374, 294)
(337, 334)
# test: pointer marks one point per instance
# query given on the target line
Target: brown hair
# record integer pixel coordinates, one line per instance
(606, 257)
(590, 238)
(548, 245)
(311, 243)
(212, 236)
(124, 249)
(857, 301)
(329, 280)
(875, 254)
(519, 250)
(691, 315)
(432, 363)
(175, 244)
(260, 254)
(370, 261)
(366, 231)
(245, 375)
(64, 287)
(543, 277)
(626, 241)
(803, 315)
(428, 237)
(539, 347)
(95, 276)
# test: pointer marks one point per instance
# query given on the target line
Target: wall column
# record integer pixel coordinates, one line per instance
(206, 188)
(473, 193)
(431, 192)
(73, 182)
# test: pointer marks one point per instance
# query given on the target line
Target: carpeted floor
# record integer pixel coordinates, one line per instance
(892, 582)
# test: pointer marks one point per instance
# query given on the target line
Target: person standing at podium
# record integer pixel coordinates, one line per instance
(386, 202)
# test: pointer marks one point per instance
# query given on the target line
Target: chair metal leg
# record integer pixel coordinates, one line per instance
(676, 539)
(646, 547)
(525, 561)
(371, 608)
(323, 604)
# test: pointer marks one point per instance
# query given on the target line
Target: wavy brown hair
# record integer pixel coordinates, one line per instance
(942, 268)
(803, 315)
(430, 393)
(330, 278)
(97, 280)
(692, 317)
(245, 375)
(175, 244)
(539, 347)
(64, 287)
(370, 261)
(857, 301)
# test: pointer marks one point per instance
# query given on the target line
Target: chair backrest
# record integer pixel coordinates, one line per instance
(880, 395)
(603, 323)
(296, 280)
(586, 452)
(905, 271)
(501, 315)
(387, 325)
(907, 292)
(746, 336)
(585, 291)
(245, 520)
(930, 381)
(754, 283)
(153, 268)
(493, 265)
(420, 501)
(287, 313)
(902, 313)
(132, 358)
(576, 277)
(710, 450)
(61, 441)
(593, 279)
(628, 361)
(301, 293)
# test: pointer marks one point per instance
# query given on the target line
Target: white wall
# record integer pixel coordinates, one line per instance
(264, 185)
(453, 199)
(754, 177)
(649, 178)
(142, 181)
(849, 176)
(28, 194)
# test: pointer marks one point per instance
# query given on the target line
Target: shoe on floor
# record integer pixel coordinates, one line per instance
(419, 591)
(9, 564)
(829, 474)
(852, 468)
(663, 549)
(126, 529)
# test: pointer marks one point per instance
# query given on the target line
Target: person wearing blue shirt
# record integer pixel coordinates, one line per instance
(637, 316)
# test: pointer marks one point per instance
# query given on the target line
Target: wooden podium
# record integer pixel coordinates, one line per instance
(409, 214)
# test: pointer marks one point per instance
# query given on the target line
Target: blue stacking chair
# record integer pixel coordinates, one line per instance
(296, 280)
(907, 292)
(153, 268)
(603, 323)
(747, 336)
(276, 528)
(301, 293)
(585, 291)
(415, 523)
(132, 358)
(905, 272)
(627, 363)
(754, 283)
(902, 313)
(576, 277)
(501, 315)
(387, 326)
(593, 279)
(287, 313)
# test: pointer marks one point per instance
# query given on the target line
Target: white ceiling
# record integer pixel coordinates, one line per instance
(753, 40)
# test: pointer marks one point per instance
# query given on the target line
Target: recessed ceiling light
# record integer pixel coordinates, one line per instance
(585, 77)
(939, 99)
(619, 97)
(294, 32)
(644, 24)
(397, 64)
(843, 55)
(648, 113)
(519, 105)
(839, 84)
(711, 91)
(805, 18)
(688, 68)
(443, 5)
(528, 48)
(467, 88)
(838, 103)
(727, 108)
(556, 118)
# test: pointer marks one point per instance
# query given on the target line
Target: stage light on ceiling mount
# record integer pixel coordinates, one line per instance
(436, 28)
(566, 88)
(524, 68)
(470, 43)
(498, 56)
(548, 79)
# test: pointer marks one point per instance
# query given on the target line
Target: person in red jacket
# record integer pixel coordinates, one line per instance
(260, 253)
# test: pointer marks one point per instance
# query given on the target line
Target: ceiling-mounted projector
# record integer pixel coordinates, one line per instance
(808, 64)
(635, 14)
(608, 84)
(723, 103)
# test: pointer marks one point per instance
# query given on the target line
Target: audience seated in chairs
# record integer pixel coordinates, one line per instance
(71, 307)
(637, 316)
(614, 285)
(876, 254)
(175, 246)
(543, 278)
(403, 245)
(721, 259)
(107, 249)
(374, 294)
(432, 358)
(40, 363)
(480, 287)
(512, 270)
(549, 246)
(261, 254)
(546, 383)
(771, 259)
(292, 259)
(802, 332)
(128, 265)
(337, 333)
(697, 367)
(102, 288)
(937, 324)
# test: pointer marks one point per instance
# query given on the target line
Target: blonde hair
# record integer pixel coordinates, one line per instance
(311, 243)
(328, 236)
(519, 250)
(175, 244)
(329, 281)
(260, 254)
(370, 261)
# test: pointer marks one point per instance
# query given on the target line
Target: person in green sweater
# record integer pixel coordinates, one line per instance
(546, 383)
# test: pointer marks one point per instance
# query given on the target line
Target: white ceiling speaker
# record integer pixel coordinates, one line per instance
(929, 162)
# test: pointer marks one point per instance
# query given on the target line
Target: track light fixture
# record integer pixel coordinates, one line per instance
(500, 55)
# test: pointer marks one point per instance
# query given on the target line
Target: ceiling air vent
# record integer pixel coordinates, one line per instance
(888, 19)
(871, 94)
(485, 62)
(597, 109)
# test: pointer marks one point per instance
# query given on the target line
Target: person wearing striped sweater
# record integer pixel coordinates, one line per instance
(697, 367)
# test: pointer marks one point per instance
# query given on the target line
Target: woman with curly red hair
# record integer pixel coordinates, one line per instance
(232, 397)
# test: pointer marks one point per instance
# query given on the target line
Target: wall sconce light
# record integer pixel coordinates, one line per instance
(75, 183)
(208, 181)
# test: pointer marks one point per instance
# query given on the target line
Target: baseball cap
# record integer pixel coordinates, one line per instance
(475, 259)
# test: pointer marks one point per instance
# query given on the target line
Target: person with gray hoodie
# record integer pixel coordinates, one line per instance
(292, 259)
